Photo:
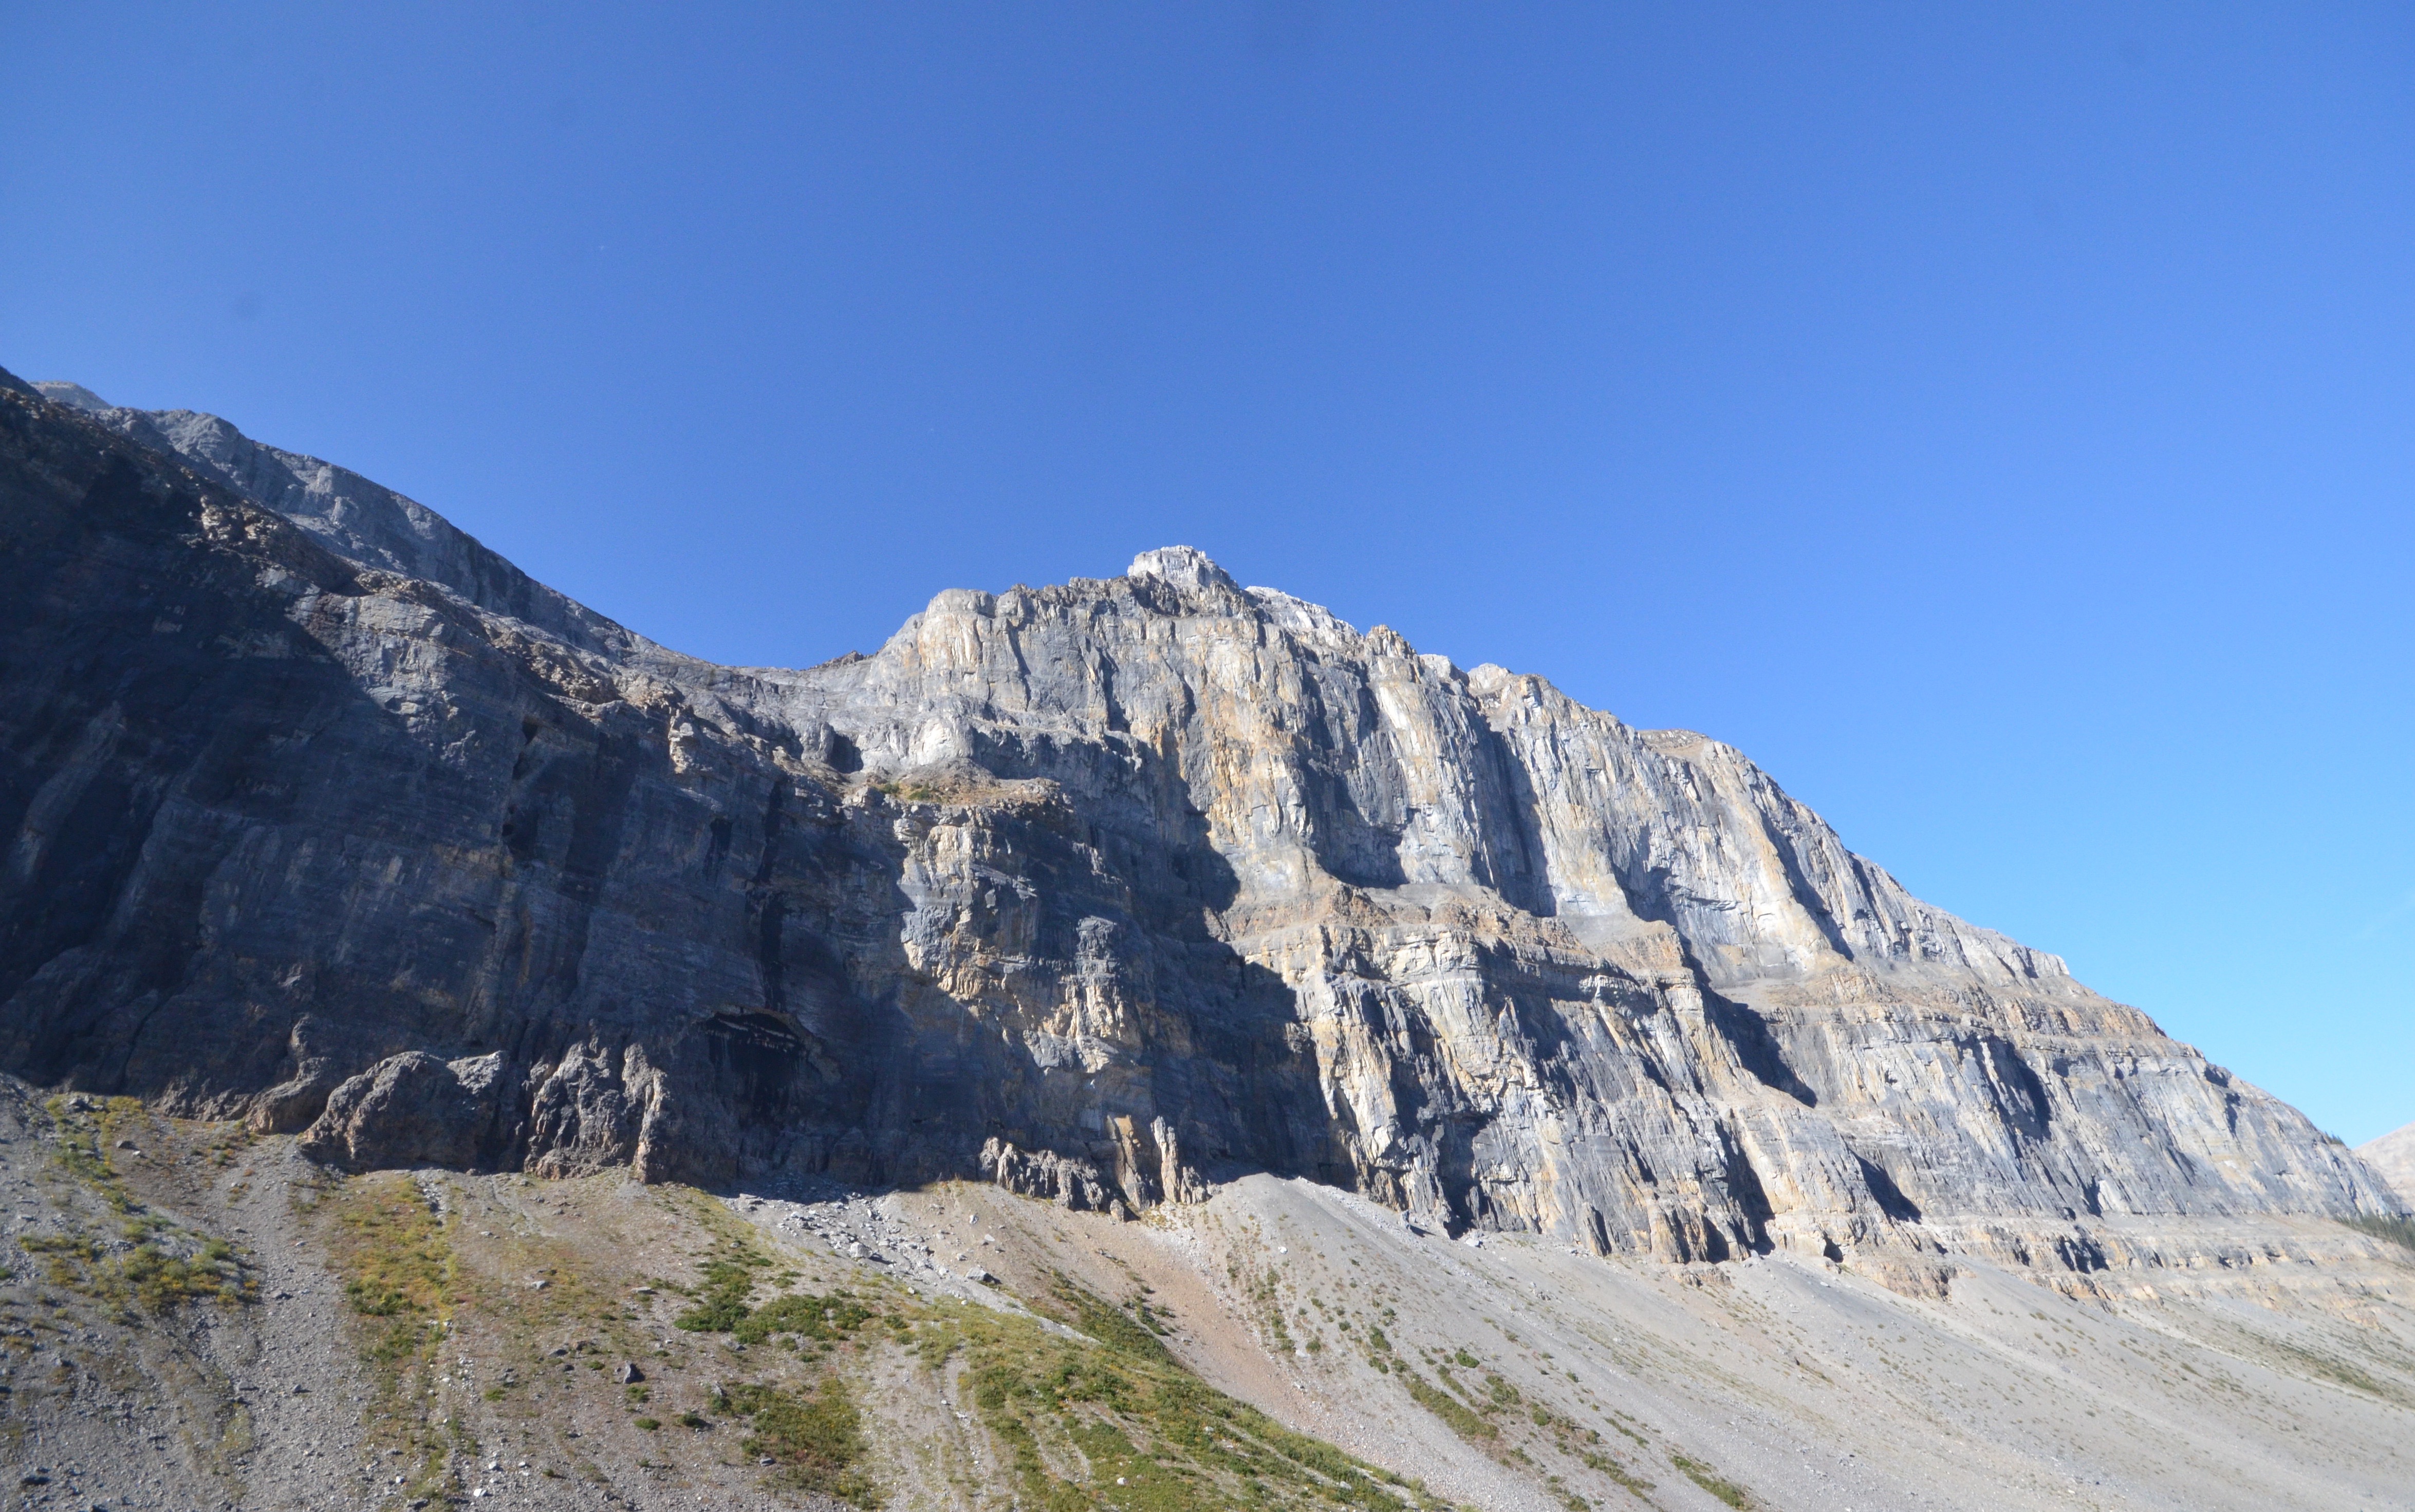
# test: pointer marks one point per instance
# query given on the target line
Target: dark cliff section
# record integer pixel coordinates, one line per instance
(319, 814)
(279, 817)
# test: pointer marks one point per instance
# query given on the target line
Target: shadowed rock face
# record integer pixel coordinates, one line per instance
(1099, 891)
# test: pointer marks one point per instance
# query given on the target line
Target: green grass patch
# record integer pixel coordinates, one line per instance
(86, 1130)
(168, 1270)
(391, 1248)
(1703, 1475)
(168, 1265)
(2399, 1230)
(1616, 1471)
(1454, 1412)
(395, 1256)
(161, 1281)
(721, 1300)
(805, 1315)
(2339, 1372)
(721, 1295)
(814, 1437)
(1075, 1415)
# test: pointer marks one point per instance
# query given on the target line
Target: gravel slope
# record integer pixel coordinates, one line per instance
(2260, 1367)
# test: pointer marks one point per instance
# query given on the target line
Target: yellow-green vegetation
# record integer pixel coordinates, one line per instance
(1615, 1471)
(729, 1281)
(1378, 1346)
(1701, 1474)
(1119, 1407)
(392, 1248)
(1476, 1416)
(2399, 1230)
(1099, 1416)
(2336, 1370)
(1568, 1498)
(1461, 1420)
(160, 1280)
(528, 1287)
(804, 1316)
(157, 1264)
(814, 1437)
(86, 1131)
(395, 1256)
(1583, 1444)
(1265, 1294)
(721, 1302)
(69, 1253)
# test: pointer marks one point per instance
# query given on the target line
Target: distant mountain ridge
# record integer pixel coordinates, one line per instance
(2393, 1158)
(330, 816)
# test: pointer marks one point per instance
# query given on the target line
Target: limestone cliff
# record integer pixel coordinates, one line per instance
(1104, 890)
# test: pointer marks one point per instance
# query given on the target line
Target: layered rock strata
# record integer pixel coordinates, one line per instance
(326, 815)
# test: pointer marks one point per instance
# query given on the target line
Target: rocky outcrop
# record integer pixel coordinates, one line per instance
(410, 1110)
(1102, 889)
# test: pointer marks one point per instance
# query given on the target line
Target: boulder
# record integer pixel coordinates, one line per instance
(410, 1110)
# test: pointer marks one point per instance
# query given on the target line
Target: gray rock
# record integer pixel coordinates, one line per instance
(74, 395)
(410, 1110)
(2392, 1158)
(1073, 1182)
(1096, 891)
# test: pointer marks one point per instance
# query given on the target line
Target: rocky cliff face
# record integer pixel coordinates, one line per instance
(324, 813)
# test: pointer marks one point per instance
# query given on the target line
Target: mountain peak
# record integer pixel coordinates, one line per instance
(74, 395)
(1183, 566)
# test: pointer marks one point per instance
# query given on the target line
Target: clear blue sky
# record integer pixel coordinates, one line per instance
(1997, 421)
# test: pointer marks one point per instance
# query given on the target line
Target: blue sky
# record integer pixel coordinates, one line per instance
(1999, 422)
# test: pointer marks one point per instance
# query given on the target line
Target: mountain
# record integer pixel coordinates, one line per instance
(1151, 897)
(330, 818)
(2392, 1158)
